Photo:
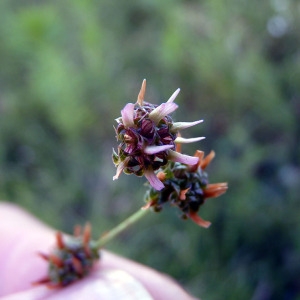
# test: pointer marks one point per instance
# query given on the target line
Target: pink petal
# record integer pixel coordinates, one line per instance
(120, 168)
(182, 158)
(174, 95)
(156, 149)
(127, 115)
(161, 111)
(153, 180)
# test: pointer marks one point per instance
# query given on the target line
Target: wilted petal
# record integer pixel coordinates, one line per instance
(156, 149)
(200, 155)
(183, 193)
(127, 115)
(183, 125)
(161, 111)
(182, 140)
(198, 220)
(206, 161)
(153, 180)
(141, 95)
(119, 171)
(43, 256)
(174, 95)
(215, 189)
(178, 146)
(148, 205)
(120, 168)
(44, 280)
(56, 260)
(118, 120)
(86, 233)
(161, 175)
(182, 158)
(59, 240)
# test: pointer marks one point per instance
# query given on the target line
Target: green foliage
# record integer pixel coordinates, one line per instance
(67, 69)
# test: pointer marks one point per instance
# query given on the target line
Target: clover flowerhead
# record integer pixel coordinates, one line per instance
(147, 138)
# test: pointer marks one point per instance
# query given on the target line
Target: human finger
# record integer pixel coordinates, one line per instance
(23, 236)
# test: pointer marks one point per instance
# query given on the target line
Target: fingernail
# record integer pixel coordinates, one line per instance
(117, 284)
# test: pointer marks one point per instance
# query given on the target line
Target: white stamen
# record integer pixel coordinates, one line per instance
(183, 125)
(174, 95)
(182, 140)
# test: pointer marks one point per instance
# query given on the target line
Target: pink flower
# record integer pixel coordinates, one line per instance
(148, 138)
(127, 115)
(164, 109)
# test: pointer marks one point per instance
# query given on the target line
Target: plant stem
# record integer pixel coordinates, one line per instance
(107, 237)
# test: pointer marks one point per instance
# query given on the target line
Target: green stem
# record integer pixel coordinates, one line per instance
(120, 228)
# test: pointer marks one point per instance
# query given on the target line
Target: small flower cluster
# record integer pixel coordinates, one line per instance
(72, 259)
(148, 136)
(150, 146)
(186, 187)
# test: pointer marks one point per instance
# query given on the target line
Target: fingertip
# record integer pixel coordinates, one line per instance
(160, 286)
(22, 237)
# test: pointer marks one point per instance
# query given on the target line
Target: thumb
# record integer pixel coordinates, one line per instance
(108, 284)
(22, 236)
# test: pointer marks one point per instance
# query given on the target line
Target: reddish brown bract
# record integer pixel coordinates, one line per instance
(72, 258)
(186, 187)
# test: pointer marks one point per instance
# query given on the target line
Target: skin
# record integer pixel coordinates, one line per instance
(22, 236)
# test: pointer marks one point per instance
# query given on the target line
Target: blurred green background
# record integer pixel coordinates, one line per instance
(67, 68)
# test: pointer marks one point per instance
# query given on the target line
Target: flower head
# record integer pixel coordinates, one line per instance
(187, 187)
(148, 138)
(72, 258)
